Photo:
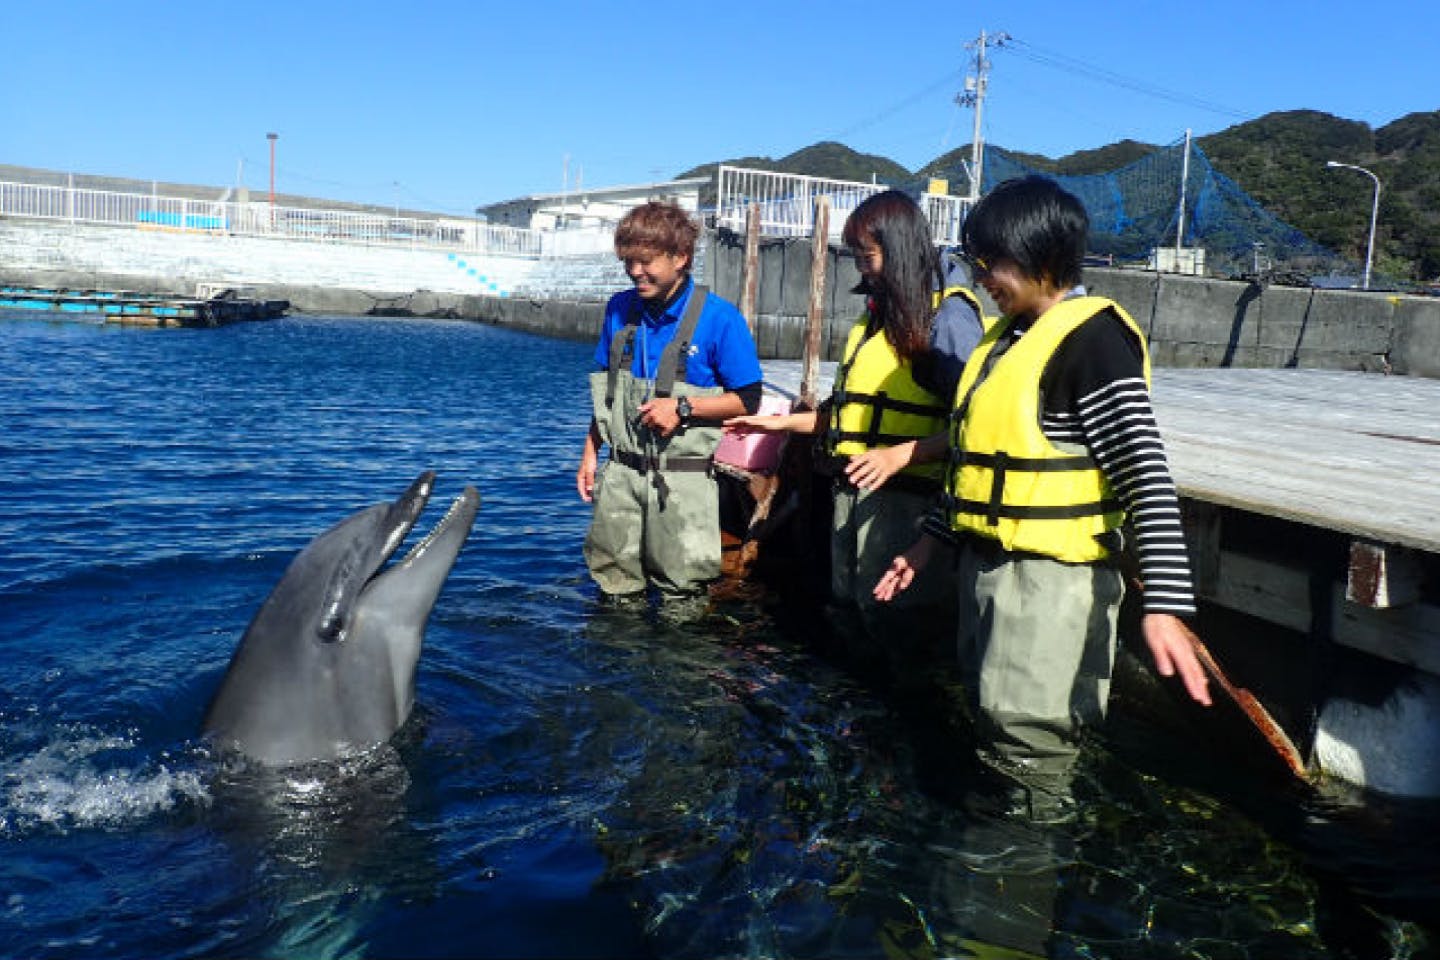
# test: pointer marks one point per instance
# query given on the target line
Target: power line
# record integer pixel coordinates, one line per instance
(947, 81)
(1068, 64)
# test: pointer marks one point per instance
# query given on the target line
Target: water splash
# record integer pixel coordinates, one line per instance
(77, 778)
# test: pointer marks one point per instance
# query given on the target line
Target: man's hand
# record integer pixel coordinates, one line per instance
(585, 476)
(661, 415)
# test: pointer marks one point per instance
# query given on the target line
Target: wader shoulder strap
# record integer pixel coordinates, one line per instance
(622, 347)
(677, 352)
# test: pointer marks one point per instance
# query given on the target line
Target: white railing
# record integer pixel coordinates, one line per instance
(787, 203)
(262, 219)
(946, 215)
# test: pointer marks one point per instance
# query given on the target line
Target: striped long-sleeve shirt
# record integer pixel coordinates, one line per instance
(1093, 393)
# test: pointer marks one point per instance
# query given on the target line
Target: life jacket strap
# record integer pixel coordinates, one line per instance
(994, 512)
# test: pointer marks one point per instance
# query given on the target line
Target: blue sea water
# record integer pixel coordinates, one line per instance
(575, 781)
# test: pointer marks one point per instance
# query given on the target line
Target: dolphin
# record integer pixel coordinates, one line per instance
(327, 667)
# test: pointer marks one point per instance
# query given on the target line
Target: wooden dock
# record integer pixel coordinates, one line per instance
(1350, 458)
(1357, 453)
(119, 306)
(1311, 501)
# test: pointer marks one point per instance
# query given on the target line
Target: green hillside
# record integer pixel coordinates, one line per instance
(1278, 159)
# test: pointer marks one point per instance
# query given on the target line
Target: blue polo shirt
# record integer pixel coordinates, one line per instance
(722, 353)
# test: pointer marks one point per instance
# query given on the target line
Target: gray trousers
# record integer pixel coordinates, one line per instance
(638, 537)
(1036, 647)
(868, 530)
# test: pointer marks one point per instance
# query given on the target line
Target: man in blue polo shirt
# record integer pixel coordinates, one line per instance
(673, 362)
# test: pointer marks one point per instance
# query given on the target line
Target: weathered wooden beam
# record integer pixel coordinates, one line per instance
(750, 275)
(1280, 594)
(1382, 575)
(1201, 522)
(819, 255)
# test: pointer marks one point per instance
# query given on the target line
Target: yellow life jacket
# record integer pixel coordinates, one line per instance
(1006, 480)
(876, 401)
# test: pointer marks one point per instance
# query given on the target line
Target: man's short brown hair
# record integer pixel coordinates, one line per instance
(654, 228)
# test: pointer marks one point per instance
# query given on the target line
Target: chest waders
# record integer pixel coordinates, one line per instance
(1038, 600)
(657, 505)
(875, 403)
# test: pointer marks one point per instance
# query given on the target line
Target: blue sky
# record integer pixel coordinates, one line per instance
(448, 105)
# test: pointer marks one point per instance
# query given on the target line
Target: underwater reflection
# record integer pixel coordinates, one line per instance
(322, 846)
(779, 806)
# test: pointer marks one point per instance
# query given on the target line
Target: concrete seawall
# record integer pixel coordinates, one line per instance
(1192, 322)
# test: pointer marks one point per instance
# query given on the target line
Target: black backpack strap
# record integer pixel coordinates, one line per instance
(677, 351)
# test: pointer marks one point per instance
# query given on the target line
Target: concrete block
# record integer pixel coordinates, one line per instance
(725, 270)
(796, 290)
(1284, 314)
(770, 298)
(1350, 322)
(840, 279)
(767, 334)
(1195, 310)
(1415, 348)
(1132, 289)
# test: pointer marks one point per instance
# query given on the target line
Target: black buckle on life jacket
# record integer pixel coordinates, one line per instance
(997, 488)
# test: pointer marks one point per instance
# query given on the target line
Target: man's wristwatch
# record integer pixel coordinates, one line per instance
(684, 410)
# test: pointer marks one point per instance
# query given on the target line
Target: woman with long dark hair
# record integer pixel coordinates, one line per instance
(883, 427)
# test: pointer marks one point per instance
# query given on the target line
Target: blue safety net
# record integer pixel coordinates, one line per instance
(1135, 209)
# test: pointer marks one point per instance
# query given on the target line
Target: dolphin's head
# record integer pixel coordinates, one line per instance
(327, 667)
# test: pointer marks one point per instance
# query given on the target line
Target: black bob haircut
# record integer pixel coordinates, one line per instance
(1033, 222)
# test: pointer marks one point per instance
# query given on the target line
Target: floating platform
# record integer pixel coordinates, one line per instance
(216, 306)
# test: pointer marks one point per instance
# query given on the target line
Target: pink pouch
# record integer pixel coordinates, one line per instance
(755, 452)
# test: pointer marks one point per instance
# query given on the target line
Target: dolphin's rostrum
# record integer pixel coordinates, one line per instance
(327, 667)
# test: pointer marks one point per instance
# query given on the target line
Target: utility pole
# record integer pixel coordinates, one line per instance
(974, 96)
(1180, 211)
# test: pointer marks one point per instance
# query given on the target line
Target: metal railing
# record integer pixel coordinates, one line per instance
(262, 219)
(787, 203)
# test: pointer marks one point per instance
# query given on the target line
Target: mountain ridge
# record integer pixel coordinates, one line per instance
(1279, 159)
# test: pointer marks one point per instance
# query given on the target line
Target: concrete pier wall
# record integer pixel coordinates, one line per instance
(1192, 322)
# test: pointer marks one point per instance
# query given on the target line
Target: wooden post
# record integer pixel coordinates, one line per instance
(819, 254)
(750, 277)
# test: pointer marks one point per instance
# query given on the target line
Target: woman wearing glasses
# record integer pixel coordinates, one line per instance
(883, 427)
(1053, 445)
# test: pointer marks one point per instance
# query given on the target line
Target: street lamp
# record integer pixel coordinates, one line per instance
(272, 138)
(1374, 211)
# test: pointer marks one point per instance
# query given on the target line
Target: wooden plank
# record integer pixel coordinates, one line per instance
(1338, 450)
(1280, 594)
(1353, 452)
(1382, 575)
(814, 321)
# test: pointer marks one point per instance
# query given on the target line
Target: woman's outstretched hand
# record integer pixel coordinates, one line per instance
(904, 568)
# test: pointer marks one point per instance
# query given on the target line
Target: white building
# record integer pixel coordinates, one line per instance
(590, 209)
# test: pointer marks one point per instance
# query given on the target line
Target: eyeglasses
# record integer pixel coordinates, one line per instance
(979, 266)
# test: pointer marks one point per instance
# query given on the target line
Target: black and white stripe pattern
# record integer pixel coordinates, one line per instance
(1117, 424)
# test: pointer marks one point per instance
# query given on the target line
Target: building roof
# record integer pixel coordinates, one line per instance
(599, 192)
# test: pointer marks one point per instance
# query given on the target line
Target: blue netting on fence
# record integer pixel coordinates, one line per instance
(1136, 209)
